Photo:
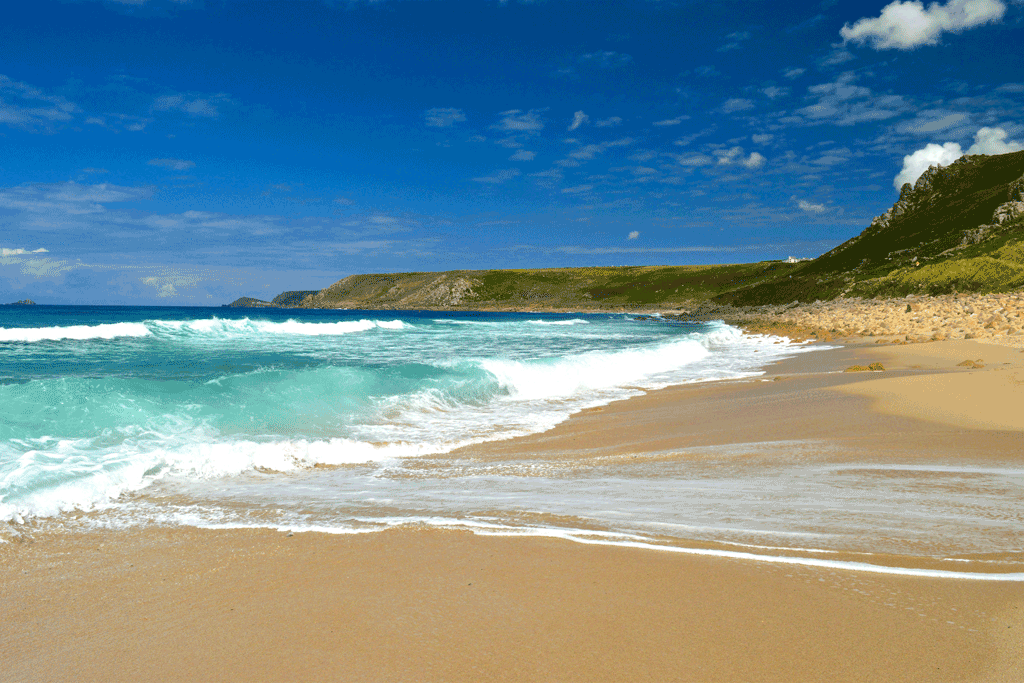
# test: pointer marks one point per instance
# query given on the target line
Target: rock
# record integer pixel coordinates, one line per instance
(970, 364)
(857, 368)
(876, 367)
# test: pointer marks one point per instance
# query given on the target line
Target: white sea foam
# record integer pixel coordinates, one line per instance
(614, 539)
(228, 327)
(99, 479)
(81, 332)
(574, 321)
(595, 370)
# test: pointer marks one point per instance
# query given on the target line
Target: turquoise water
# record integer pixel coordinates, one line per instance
(102, 400)
(345, 422)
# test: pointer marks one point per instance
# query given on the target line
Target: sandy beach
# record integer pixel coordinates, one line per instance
(416, 604)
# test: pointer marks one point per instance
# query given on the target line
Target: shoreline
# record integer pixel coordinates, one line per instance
(183, 603)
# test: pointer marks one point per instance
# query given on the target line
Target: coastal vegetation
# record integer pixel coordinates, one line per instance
(957, 229)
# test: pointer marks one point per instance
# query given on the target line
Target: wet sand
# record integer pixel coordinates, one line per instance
(434, 605)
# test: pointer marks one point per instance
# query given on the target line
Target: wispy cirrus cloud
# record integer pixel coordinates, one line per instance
(443, 117)
(27, 107)
(193, 104)
(172, 164)
(499, 177)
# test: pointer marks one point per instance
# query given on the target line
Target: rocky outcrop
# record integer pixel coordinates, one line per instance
(906, 319)
(23, 302)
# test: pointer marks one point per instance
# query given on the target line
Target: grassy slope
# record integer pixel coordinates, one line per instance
(665, 286)
(919, 252)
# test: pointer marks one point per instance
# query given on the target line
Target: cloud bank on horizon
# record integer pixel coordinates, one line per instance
(247, 152)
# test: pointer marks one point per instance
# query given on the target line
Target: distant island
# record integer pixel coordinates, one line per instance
(23, 302)
(283, 300)
(958, 229)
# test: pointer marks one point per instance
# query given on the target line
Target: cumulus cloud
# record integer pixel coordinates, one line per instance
(908, 25)
(633, 235)
(443, 117)
(609, 122)
(753, 161)
(793, 73)
(523, 155)
(20, 252)
(173, 164)
(986, 141)
(734, 155)
(578, 119)
(762, 138)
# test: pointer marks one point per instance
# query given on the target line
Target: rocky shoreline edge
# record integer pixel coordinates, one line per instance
(909, 319)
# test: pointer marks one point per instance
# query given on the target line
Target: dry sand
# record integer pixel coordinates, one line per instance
(431, 605)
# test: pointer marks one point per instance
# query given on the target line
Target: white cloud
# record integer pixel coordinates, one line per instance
(605, 59)
(24, 106)
(20, 252)
(671, 122)
(609, 122)
(986, 141)
(67, 198)
(578, 119)
(810, 207)
(907, 25)
(633, 235)
(762, 139)
(695, 160)
(443, 117)
(735, 41)
(173, 164)
(917, 163)
(163, 287)
(206, 105)
(993, 141)
(843, 103)
(774, 91)
(755, 160)
(577, 189)
(736, 104)
(934, 120)
(793, 73)
(499, 177)
(514, 120)
(734, 155)
(523, 155)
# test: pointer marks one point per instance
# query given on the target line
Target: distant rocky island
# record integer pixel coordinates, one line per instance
(283, 300)
(958, 229)
(23, 302)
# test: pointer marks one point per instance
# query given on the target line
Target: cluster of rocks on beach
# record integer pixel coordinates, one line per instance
(910, 319)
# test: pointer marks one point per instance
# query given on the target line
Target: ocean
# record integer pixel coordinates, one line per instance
(346, 422)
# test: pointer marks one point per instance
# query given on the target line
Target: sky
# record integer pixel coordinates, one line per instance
(177, 152)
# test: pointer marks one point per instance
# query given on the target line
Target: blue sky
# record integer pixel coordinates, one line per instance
(187, 153)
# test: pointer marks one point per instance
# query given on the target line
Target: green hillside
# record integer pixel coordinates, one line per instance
(943, 235)
(959, 228)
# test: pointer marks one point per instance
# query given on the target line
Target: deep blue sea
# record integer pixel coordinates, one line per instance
(345, 422)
